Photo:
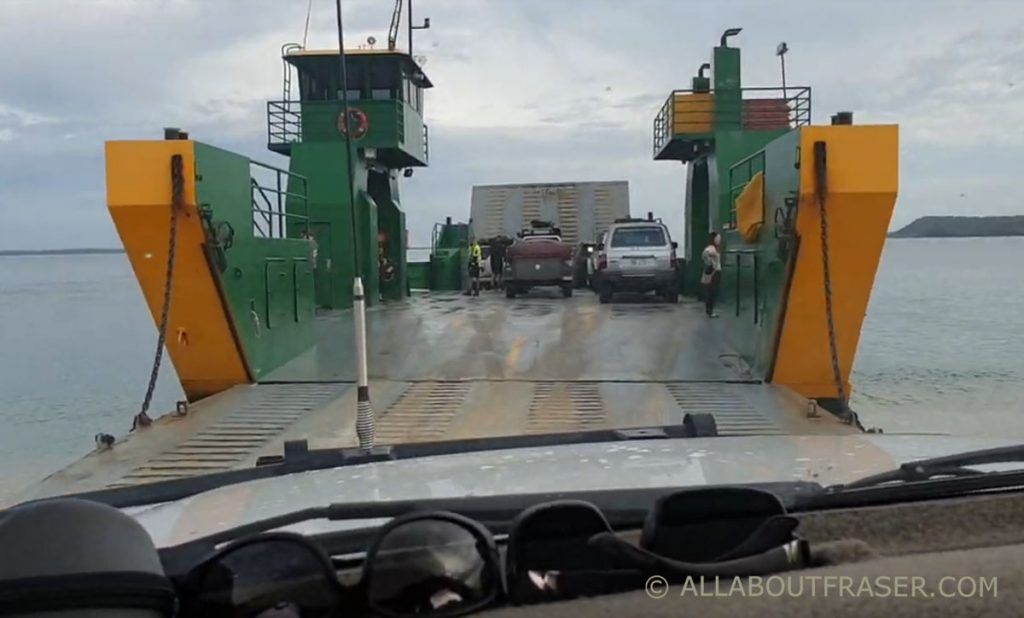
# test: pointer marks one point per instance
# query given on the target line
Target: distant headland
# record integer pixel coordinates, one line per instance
(61, 252)
(961, 227)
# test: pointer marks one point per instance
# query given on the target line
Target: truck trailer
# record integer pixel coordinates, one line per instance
(581, 210)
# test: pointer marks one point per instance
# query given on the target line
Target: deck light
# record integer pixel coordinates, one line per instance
(780, 51)
(728, 33)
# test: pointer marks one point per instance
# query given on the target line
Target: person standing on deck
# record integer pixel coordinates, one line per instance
(475, 256)
(312, 255)
(497, 261)
(712, 276)
(312, 247)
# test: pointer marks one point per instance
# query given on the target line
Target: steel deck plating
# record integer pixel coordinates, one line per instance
(445, 366)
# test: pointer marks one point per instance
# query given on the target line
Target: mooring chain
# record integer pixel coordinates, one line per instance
(142, 419)
(848, 415)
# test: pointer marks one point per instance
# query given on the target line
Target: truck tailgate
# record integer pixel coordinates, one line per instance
(538, 268)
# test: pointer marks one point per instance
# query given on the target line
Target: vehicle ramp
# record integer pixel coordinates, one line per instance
(447, 366)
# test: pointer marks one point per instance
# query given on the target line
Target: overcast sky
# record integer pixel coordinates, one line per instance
(525, 91)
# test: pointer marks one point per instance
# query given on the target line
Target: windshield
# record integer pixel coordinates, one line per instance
(194, 281)
(638, 237)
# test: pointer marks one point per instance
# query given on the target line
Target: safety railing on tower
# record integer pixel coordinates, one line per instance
(284, 124)
(280, 206)
(693, 113)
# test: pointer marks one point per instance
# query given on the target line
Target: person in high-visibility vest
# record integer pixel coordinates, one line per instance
(475, 256)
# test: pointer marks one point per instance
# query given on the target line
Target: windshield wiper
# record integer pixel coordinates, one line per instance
(298, 457)
(297, 453)
(935, 477)
(956, 465)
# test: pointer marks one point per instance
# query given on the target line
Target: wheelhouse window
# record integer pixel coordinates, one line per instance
(385, 79)
(412, 93)
(311, 88)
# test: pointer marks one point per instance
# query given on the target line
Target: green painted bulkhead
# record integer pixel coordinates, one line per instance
(418, 275)
(449, 253)
(725, 133)
(386, 88)
(754, 274)
(266, 279)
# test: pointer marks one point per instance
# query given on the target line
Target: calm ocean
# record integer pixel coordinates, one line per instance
(942, 349)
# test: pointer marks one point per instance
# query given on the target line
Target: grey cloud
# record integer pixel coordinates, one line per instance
(123, 70)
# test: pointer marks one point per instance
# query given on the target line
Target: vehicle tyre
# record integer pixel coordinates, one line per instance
(510, 291)
(672, 294)
(567, 291)
(605, 294)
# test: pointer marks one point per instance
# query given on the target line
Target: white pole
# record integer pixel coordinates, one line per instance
(366, 423)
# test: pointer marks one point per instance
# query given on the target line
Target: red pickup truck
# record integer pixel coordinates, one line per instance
(538, 258)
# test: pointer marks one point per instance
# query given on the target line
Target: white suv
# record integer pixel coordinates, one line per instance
(637, 255)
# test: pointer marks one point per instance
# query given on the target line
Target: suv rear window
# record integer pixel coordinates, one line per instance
(638, 237)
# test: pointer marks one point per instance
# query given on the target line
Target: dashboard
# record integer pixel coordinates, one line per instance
(952, 557)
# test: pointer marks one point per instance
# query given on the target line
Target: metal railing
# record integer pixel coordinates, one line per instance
(422, 253)
(740, 174)
(753, 108)
(270, 203)
(284, 122)
(755, 289)
(663, 127)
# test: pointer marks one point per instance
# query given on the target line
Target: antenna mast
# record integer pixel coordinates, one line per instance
(305, 31)
(396, 22)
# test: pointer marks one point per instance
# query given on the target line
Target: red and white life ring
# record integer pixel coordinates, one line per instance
(361, 120)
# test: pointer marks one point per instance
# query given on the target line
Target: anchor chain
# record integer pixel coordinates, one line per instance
(142, 419)
(847, 414)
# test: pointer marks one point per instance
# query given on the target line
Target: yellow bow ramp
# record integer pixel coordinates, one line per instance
(200, 340)
(862, 182)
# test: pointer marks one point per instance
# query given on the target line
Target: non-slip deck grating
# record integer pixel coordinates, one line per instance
(566, 406)
(263, 413)
(422, 413)
(734, 414)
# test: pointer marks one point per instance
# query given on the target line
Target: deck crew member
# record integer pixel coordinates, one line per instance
(712, 276)
(475, 255)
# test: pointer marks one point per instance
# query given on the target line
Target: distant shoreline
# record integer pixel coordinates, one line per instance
(893, 236)
(962, 227)
(18, 252)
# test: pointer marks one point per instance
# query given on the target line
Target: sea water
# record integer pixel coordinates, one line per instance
(942, 349)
